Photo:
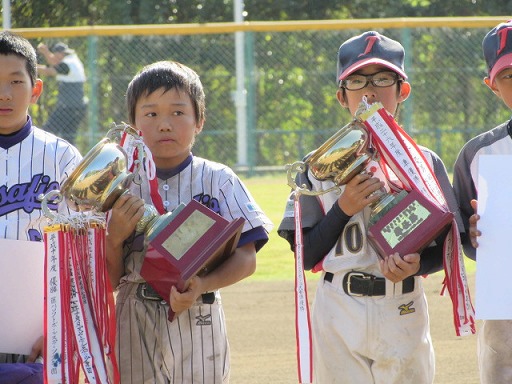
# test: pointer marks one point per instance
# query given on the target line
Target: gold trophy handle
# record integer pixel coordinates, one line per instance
(55, 196)
(300, 167)
(115, 134)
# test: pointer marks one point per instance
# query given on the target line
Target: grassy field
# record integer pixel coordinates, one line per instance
(275, 260)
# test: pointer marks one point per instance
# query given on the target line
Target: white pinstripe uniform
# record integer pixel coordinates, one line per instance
(194, 347)
(32, 162)
(365, 339)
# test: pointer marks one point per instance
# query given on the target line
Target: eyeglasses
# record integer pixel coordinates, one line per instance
(379, 79)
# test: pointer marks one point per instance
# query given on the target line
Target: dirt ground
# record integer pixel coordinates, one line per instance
(261, 329)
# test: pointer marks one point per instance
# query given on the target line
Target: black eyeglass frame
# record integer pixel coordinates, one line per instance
(369, 79)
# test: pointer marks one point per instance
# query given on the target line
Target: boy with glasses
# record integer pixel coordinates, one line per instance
(370, 319)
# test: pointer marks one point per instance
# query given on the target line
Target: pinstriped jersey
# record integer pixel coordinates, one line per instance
(352, 250)
(32, 162)
(497, 141)
(214, 185)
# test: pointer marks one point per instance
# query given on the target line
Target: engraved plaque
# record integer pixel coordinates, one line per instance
(194, 241)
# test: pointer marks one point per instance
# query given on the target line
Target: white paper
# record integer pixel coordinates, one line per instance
(494, 254)
(21, 295)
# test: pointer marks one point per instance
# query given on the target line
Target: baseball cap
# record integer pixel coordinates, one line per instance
(370, 48)
(497, 46)
(60, 47)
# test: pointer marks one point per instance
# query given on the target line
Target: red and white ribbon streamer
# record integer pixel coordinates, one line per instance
(131, 145)
(401, 154)
(79, 307)
(302, 314)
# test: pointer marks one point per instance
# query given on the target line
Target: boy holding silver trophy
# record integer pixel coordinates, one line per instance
(166, 103)
(370, 318)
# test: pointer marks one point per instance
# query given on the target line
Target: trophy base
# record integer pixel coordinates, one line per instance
(409, 226)
(193, 241)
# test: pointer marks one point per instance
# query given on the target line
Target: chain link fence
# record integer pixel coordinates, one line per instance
(290, 83)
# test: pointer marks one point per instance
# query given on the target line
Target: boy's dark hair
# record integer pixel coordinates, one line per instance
(13, 44)
(168, 75)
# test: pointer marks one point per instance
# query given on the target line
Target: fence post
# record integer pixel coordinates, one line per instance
(251, 102)
(92, 77)
(409, 104)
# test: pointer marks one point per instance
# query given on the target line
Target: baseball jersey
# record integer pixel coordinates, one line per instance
(213, 185)
(32, 162)
(354, 339)
(352, 250)
(494, 142)
(193, 349)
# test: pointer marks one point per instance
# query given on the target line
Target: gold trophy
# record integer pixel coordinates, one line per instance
(339, 159)
(102, 177)
(404, 222)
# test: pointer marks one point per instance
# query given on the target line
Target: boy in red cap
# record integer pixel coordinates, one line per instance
(370, 319)
(494, 336)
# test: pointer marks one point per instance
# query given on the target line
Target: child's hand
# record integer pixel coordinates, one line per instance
(396, 268)
(358, 193)
(473, 221)
(181, 301)
(125, 214)
(37, 350)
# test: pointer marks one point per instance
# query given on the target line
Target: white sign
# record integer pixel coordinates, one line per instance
(21, 295)
(494, 253)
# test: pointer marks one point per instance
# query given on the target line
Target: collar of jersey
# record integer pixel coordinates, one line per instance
(10, 140)
(165, 174)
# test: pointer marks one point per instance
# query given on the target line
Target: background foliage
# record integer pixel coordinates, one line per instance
(57, 13)
(291, 75)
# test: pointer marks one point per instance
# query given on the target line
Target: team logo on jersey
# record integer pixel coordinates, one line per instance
(208, 201)
(204, 320)
(405, 309)
(24, 195)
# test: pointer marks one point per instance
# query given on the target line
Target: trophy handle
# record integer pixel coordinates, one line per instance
(115, 134)
(300, 167)
(54, 196)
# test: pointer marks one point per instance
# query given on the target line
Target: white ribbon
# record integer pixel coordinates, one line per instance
(401, 154)
(302, 317)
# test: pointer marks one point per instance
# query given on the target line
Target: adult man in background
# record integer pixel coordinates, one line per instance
(65, 65)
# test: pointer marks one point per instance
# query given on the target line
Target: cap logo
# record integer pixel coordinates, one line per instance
(502, 35)
(371, 40)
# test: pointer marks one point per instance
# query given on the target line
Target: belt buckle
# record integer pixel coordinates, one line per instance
(142, 293)
(349, 284)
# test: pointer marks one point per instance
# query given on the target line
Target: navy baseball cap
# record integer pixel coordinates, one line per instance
(60, 47)
(370, 48)
(497, 45)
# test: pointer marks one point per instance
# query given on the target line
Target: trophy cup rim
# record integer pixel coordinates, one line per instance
(82, 166)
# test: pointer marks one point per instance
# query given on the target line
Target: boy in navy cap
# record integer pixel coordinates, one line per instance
(370, 320)
(494, 336)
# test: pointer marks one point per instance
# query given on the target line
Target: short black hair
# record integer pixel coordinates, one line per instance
(14, 44)
(168, 75)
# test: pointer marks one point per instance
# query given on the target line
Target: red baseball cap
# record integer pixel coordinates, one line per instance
(370, 48)
(497, 46)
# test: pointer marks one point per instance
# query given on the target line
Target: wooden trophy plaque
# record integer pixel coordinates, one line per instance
(409, 227)
(193, 241)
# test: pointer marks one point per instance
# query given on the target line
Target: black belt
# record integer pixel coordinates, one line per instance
(146, 292)
(364, 284)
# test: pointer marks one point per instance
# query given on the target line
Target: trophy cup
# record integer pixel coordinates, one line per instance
(191, 240)
(339, 159)
(405, 222)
